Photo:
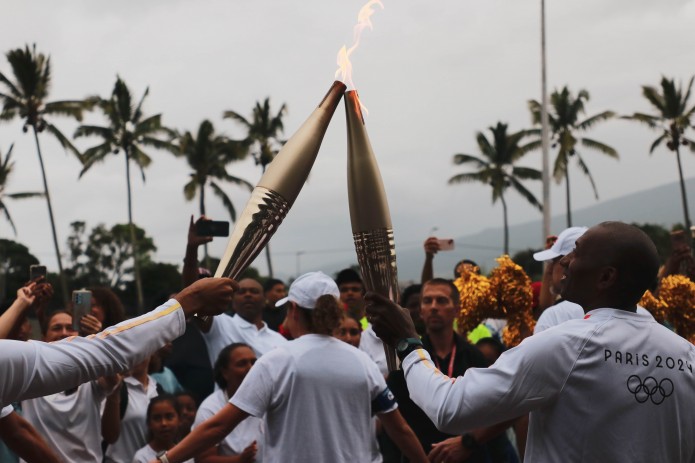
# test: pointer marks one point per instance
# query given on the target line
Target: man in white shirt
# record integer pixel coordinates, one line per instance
(245, 326)
(562, 310)
(613, 386)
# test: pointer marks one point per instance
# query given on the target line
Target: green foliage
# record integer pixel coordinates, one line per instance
(565, 125)
(263, 131)
(15, 260)
(6, 167)
(104, 256)
(497, 168)
(208, 155)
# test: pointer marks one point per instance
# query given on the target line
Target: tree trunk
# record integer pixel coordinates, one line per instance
(567, 189)
(133, 239)
(61, 274)
(684, 196)
(506, 226)
(206, 258)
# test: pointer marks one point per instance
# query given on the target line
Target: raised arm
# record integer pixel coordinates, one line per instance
(22, 439)
(431, 247)
(34, 369)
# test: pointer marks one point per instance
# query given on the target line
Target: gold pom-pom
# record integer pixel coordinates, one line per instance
(656, 306)
(506, 294)
(678, 293)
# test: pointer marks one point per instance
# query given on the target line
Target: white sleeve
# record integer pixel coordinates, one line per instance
(523, 379)
(6, 411)
(255, 393)
(34, 369)
(382, 399)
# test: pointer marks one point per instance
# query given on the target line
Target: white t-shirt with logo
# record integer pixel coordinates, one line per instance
(134, 422)
(69, 423)
(318, 394)
(246, 432)
(614, 386)
(226, 330)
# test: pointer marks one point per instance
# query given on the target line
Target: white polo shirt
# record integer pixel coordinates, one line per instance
(226, 330)
(317, 394)
(69, 423)
(374, 348)
(614, 386)
(246, 432)
(133, 434)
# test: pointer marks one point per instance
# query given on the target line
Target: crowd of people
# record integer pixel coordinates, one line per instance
(276, 374)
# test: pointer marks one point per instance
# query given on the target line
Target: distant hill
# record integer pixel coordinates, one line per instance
(660, 205)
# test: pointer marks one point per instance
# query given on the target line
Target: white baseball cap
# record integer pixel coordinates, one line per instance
(305, 290)
(563, 245)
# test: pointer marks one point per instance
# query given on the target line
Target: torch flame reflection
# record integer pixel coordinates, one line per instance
(364, 20)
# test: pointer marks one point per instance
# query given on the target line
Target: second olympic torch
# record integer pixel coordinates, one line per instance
(369, 213)
(278, 189)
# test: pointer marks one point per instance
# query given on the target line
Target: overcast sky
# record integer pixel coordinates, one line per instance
(432, 73)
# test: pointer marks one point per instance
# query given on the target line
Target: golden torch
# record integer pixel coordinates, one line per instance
(369, 213)
(278, 189)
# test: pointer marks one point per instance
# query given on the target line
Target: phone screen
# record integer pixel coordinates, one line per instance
(212, 228)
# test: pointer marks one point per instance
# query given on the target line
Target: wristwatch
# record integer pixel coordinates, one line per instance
(162, 457)
(406, 346)
(469, 442)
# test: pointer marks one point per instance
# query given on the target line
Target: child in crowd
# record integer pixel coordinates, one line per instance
(163, 422)
(188, 407)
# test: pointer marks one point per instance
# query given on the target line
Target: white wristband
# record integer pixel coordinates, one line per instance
(163, 458)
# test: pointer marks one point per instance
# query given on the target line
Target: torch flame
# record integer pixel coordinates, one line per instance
(344, 72)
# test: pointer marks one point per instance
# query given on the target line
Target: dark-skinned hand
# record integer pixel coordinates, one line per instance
(390, 321)
(206, 297)
(449, 451)
(194, 240)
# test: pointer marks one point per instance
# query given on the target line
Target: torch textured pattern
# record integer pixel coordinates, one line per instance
(263, 214)
(376, 254)
(369, 213)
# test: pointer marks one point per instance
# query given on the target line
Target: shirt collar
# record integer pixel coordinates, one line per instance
(247, 325)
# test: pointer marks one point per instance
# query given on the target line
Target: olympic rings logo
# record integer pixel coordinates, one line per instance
(650, 388)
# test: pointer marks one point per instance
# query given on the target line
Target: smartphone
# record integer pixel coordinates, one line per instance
(212, 228)
(81, 306)
(446, 244)
(36, 271)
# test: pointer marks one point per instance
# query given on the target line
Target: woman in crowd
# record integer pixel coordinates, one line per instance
(188, 407)
(231, 367)
(317, 393)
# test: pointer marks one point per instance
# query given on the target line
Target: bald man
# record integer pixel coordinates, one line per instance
(614, 386)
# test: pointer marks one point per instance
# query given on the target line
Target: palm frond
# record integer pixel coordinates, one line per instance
(25, 195)
(65, 108)
(469, 177)
(647, 119)
(654, 97)
(593, 120)
(521, 189)
(237, 117)
(657, 142)
(225, 200)
(237, 181)
(11, 86)
(94, 130)
(63, 140)
(527, 173)
(462, 158)
(599, 146)
(8, 217)
(190, 189)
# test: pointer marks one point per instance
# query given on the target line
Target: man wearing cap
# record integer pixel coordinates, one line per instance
(562, 310)
(245, 326)
(613, 386)
(317, 393)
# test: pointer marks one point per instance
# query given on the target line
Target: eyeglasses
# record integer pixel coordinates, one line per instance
(350, 331)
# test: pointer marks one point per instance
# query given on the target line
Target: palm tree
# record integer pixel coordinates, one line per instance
(26, 98)
(564, 128)
(263, 131)
(6, 167)
(672, 119)
(208, 155)
(496, 168)
(128, 130)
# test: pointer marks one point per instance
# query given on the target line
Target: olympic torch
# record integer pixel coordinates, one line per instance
(278, 189)
(369, 213)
